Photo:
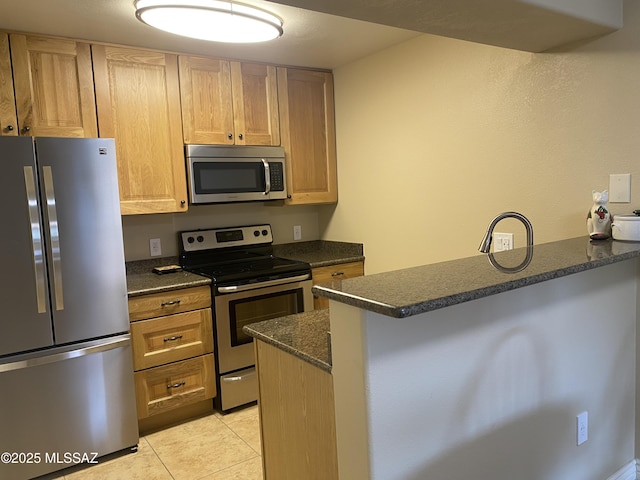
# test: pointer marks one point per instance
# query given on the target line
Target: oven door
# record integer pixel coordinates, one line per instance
(246, 304)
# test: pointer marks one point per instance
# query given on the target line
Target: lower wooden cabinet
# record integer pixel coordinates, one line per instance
(174, 369)
(167, 303)
(331, 273)
(165, 388)
(163, 340)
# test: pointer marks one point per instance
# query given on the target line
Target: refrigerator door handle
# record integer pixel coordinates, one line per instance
(103, 346)
(36, 238)
(55, 237)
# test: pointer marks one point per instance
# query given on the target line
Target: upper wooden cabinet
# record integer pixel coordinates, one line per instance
(8, 117)
(138, 100)
(53, 87)
(228, 103)
(308, 135)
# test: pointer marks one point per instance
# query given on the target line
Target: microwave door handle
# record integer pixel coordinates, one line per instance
(267, 177)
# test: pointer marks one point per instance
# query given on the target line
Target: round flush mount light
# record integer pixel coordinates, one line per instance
(213, 20)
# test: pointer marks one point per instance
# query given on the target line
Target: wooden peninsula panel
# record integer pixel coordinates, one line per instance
(296, 416)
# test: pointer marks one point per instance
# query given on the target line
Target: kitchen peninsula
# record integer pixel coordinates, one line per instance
(470, 369)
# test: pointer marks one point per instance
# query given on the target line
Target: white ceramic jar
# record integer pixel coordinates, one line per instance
(626, 227)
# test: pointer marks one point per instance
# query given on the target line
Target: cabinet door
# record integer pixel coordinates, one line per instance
(205, 89)
(54, 87)
(138, 101)
(255, 104)
(8, 118)
(308, 135)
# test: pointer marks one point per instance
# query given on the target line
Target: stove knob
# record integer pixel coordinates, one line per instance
(256, 233)
(200, 238)
(191, 239)
(265, 233)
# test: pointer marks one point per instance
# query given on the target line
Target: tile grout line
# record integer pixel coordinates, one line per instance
(158, 456)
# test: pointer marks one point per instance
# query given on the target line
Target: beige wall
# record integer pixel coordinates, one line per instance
(138, 229)
(436, 136)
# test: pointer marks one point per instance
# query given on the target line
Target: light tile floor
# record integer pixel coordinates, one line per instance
(215, 447)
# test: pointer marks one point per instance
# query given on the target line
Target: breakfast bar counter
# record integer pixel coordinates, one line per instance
(411, 291)
(478, 367)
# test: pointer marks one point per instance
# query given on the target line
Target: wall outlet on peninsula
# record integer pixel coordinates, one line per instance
(583, 427)
(502, 241)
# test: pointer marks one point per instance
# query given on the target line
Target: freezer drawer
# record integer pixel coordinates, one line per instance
(65, 406)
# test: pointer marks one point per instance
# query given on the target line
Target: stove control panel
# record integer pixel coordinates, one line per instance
(252, 235)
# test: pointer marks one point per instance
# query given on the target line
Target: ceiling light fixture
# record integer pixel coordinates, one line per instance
(213, 20)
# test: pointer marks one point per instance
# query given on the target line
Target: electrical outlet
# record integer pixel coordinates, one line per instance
(502, 241)
(297, 232)
(583, 427)
(155, 247)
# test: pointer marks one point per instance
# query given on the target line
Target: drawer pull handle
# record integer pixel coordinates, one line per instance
(337, 274)
(241, 377)
(177, 385)
(170, 303)
(173, 339)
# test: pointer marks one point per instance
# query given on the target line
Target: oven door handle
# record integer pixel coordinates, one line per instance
(268, 283)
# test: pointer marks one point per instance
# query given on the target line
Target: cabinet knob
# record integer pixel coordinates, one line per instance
(26, 129)
(240, 136)
(230, 136)
(183, 202)
(9, 128)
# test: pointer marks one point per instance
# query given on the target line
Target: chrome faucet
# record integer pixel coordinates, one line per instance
(485, 245)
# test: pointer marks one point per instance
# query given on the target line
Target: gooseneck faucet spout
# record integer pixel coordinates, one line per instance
(486, 241)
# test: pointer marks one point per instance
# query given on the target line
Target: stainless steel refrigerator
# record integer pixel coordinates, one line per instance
(66, 374)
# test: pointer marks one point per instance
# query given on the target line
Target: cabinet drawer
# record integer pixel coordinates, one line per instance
(331, 273)
(168, 303)
(337, 272)
(161, 389)
(171, 338)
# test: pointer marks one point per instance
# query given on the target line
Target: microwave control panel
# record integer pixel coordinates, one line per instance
(277, 176)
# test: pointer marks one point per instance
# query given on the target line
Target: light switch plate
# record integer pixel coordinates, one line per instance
(620, 188)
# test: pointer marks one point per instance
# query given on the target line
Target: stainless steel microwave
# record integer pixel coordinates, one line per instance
(221, 174)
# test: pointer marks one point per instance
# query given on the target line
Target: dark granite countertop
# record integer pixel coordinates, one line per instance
(304, 335)
(321, 253)
(411, 291)
(142, 281)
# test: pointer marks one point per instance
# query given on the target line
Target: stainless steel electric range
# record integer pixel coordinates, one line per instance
(249, 284)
